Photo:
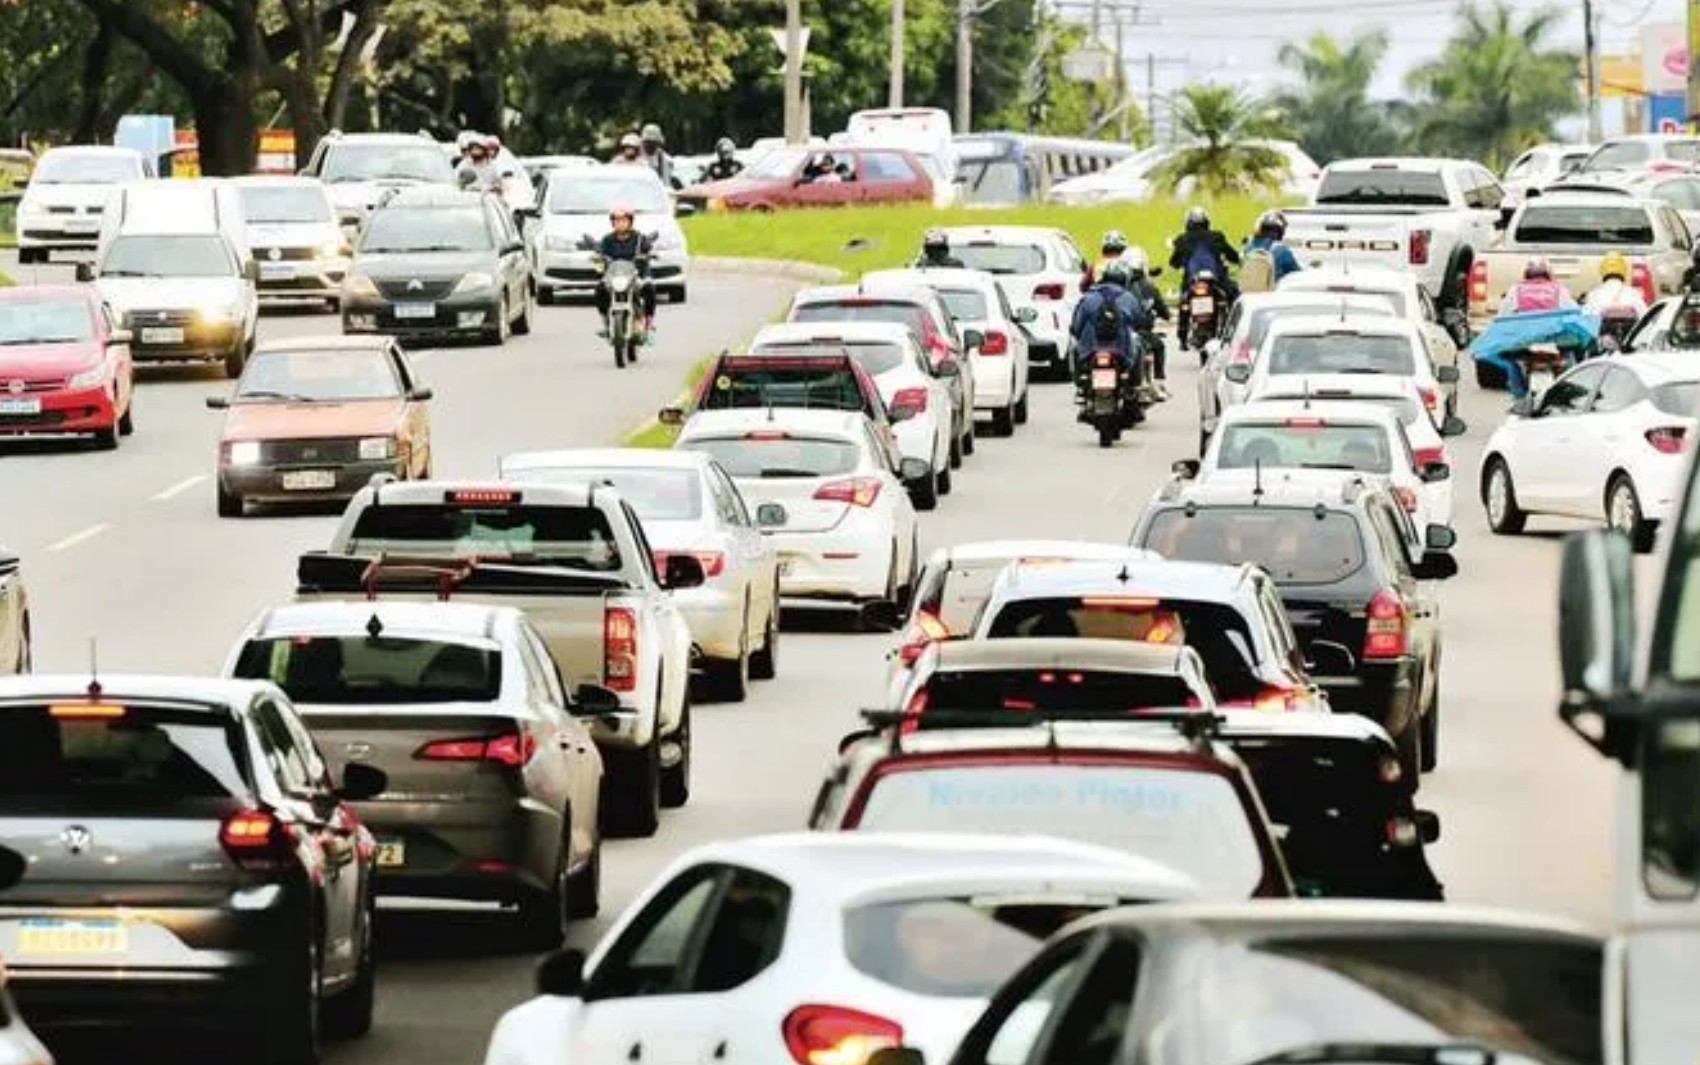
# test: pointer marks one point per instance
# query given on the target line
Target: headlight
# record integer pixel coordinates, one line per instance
(359, 285)
(216, 312)
(670, 242)
(474, 282)
(245, 453)
(88, 378)
(377, 448)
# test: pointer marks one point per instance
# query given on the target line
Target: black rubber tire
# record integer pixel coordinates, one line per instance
(127, 421)
(289, 1023)
(1410, 747)
(545, 297)
(229, 504)
(956, 453)
(678, 295)
(1639, 530)
(925, 495)
(26, 649)
(522, 324)
(542, 917)
(727, 680)
(676, 780)
(106, 439)
(1489, 377)
(631, 792)
(619, 353)
(348, 1014)
(944, 482)
(1107, 434)
(968, 443)
(1512, 518)
(764, 660)
(584, 888)
(1431, 727)
(235, 359)
(1021, 410)
(1003, 422)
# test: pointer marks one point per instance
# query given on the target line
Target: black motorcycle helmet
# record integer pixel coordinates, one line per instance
(723, 148)
(1272, 224)
(1197, 218)
(935, 243)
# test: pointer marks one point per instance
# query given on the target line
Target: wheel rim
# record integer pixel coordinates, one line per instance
(1499, 493)
(1624, 514)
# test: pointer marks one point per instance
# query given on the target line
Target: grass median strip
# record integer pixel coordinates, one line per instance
(652, 433)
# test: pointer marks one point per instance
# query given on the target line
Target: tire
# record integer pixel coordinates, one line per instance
(956, 453)
(944, 481)
(348, 1015)
(542, 916)
(1623, 513)
(891, 592)
(1021, 410)
(619, 353)
(635, 802)
(584, 888)
(1499, 499)
(229, 504)
(727, 680)
(925, 496)
(1203, 444)
(968, 438)
(676, 779)
(1431, 726)
(1410, 746)
(106, 439)
(289, 1020)
(127, 422)
(522, 324)
(545, 297)
(235, 359)
(1107, 434)
(29, 256)
(764, 660)
(498, 333)
(1003, 421)
(678, 295)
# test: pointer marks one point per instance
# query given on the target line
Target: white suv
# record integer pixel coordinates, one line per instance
(62, 207)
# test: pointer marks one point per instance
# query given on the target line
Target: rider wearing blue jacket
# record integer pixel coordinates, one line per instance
(1271, 237)
(1109, 317)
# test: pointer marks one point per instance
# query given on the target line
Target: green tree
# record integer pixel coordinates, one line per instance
(1329, 111)
(1498, 86)
(1219, 124)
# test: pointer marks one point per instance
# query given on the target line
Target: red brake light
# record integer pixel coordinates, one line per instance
(1642, 278)
(1419, 247)
(481, 495)
(1201, 288)
(835, 1035)
(619, 648)
(1426, 455)
(1305, 423)
(1667, 440)
(1050, 291)
(925, 629)
(1103, 359)
(1479, 281)
(767, 434)
(1431, 399)
(857, 491)
(513, 749)
(257, 841)
(913, 400)
(713, 562)
(85, 711)
(1384, 637)
(1271, 699)
(996, 343)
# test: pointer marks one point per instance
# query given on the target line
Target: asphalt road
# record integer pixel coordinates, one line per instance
(124, 549)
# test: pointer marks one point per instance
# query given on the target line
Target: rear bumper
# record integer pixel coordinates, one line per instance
(834, 566)
(1384, 692)
(82, 410)
(459, 849)
(50, 238)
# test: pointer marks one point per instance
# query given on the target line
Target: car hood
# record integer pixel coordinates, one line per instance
(37, 361)
(278, 421)
(596, 225)
(363, 195)
(263, 235)
(128, 293)
(443, 264)
(67, 195)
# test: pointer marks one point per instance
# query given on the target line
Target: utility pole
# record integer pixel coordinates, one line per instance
(1122, 101)
(1591, 39)
(794, 71)
(894, 98)
(965, 12)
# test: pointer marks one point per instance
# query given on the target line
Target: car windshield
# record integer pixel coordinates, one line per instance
(586, 194)
(367, 670)
(1607, 225)
(1532, 998)
(991, 182)
(1000, 258)
(200, 255)
(780, 381)
(57, 320)
(276, 204)
(864, 310)
(1343, 352)
(1306, 443)
(1095, 690)
(1192, 821)
(1388, 187)
(393, 230)
(576, 537)
(776, 456)
(874, 356)
(1259, 321)
(1216, 631)
(318, 376)
(388, 162)
(86, 168)
(127, 759)
(957, 947)
(965, 304)
(1678, 398)
(1297, 545)
(656, 494)
(779, 163)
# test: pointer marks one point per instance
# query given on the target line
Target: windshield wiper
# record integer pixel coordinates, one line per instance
(1326, 466)
(15, 341)
(441, 247)
(260, 393)
(1459, 1053)
(126, 273)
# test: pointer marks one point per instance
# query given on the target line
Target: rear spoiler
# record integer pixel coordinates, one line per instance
(323, 572)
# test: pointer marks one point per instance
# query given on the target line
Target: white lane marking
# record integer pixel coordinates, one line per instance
(179, 488)
(78, 537)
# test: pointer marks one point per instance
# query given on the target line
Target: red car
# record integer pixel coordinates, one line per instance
(65, 365)
(817, 177)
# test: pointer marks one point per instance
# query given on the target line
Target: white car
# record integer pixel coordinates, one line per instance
(1053, 674)
(817, 948)
(1606, 440)
(1542, 165)
(830, 493)
(976, 301)
(1349, 345)
(1398, 394)
(916, 401)
(1039, 269)
(688, 503)
(361, 169)
(15, 656)
(294, 234)
(62, 206)
(1135, 178)
(575, 209)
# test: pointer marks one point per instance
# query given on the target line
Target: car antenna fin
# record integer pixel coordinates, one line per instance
(1307, 393)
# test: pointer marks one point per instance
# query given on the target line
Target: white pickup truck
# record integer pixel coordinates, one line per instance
(574, 559)
(1429, 216)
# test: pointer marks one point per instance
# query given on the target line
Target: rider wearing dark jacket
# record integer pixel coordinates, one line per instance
(726, 164)
(626, 243)
(1200, 248)
(935, 250)
(1091, 317)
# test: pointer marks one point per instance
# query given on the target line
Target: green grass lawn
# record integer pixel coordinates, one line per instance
(891, 236)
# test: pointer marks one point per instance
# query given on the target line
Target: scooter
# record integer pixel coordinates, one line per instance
(1541, 363)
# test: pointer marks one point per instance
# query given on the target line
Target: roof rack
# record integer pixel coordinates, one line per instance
(1198, 727)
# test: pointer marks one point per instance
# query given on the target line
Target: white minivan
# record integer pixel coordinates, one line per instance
(61, 208)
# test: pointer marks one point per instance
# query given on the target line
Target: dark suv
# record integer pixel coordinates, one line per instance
(1338, 548)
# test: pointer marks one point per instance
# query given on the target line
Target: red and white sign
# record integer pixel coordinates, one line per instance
(1664, 57)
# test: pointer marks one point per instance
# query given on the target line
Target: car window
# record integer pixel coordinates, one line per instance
(1589, 224)
(1570, 394)
(1678, 398)
(1488, 193)
(1524, 166)
(781, 381)
(1296, 353)
(576, 536)
(1681, 238)
(874, 356)
(1022, 1020)
(646, 554)
(287, 764)
(744, 933)
(1306, 443)
(1618, 155)
(1619, 390)
(780, 455)
(1392, 540)
(1052, 690)
(402, 368)
(373, 670)
(1650, 324)
(1000, 259)
(1092, 1025)
(886, 166)
(654, 954)
(1295, 545)
(656, 493)
(536, 686)
(1279, 625)
(740, 513)
(336, 375)
(546, 664)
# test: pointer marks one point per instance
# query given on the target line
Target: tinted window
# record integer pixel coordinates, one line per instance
(884, 166)
(1678, 397)
(1575, 223)
(427, 229)
(779, 457)
(1683, 151)
(142, 758)
(1261, 318)
(745, 934)
(1296, 545)
(333, 376)
(576, 536)
(1620, 389)
(909, 314)
(185, 256)
(1406, 409)
(965, 304)
(1389, 187)
(364, 670)
(1571, 393)
(1305, 444)
(876, 358)
(656, 495)
(284, 203)
(996, 183)
(377, 162)
(1622, 155)
(45, 321)
(1001, 258)
(1055, 689)
(781, 382)
(1341, 353)
(652, 956)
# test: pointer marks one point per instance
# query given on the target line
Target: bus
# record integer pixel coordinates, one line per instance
(1005, 169)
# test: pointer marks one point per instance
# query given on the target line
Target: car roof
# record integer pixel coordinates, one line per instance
(323, 342)
(615, 173)
(1321, 385)
(1318, 279)
(635, 458)
(1397, 162)
(1572, 195)
(1339, 411)
(475, 621)
(1003, 234)
(282, 181)
(933, 277)
(865, 332)
(829, 423)
(1333, 917)
(1060, 652)
(1660, 367)
(889, 292)
(1159, 577)
(1369, 325)
(1133, 736)
(1009, 550)
(434, 196)
(338, 137)
(417, 492)
(1281, 488)
(92, 149)
(120, 686)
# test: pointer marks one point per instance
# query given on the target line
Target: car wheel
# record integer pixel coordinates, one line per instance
(522, 324)
(584, 888)
(498, 334)
(676, 778)
(678, 295)
(1003, 421)
(545, 296)
(631, 791)
(968, 437)
(764, 663)
(1489, 376)
(1623, 513)
(28, 256)
(1021, 410)
(106, 439)
(333, 305)
(1499, 497)
(236, 358)
(127, 423)
(542, 916)
(1431, 724)
(925, 494)
(229, 504)
(727, 680)
(944, 481)
(955, 452)
(1410, 747)
(890, 596)
(289, 1017)
(348, 1015)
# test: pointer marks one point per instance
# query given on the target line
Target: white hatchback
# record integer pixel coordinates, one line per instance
(62, 207)
(1298, 347)
(1040, 269)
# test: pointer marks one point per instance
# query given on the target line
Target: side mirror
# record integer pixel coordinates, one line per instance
(1440, 537)
(361, 781)
(684, 209)
(593, 700)
(561, 974)
(771, 516)
(914, 471)
(1505, 213)
(897, 1056)
(1185, 469)
(683, 571)
(1596, 637)
(85, 272)
(851, 739)
(1330, 659)
(1436, 566)
(973, 338)
(1435, 471)
(1455, 426)
(1239, 373)
(1428, 825)
(250, 270)
(218, 402)
(671, 416)
(1446, 375)
(420, 394)
(13, 866)
(119, 337)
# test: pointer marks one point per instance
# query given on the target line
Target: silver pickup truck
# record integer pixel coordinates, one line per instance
(574, 559)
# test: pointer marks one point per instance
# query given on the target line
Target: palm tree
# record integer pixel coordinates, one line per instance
(1330, 110)
(1497, 87)
(1220, 126)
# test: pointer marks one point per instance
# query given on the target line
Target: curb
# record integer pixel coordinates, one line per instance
(786, 269)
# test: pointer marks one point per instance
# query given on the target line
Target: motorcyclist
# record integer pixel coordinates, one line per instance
(935, 250)
(630, 151)
(479, 170)
(1151, 298)
(1538, 291)
(1110, 249)
(1691, 276)
(626, 243)
(1270, 238)
(726, 164)
(1614, 290)
(1109, 318)
(654, 147)
(1200, 248)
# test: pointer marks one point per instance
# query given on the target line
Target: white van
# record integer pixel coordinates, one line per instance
(61, 207)
(926, 131)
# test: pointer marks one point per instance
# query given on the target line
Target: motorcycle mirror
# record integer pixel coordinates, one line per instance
(1455, 426)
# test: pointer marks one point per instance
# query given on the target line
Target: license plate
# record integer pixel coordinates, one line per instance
(26, 405)
(52, 937)
(309, 480)
(416, 310)
(276, 271)
(1103, 379)
(83, 225)
(162, 334)
(1203, 305)
(392, 853)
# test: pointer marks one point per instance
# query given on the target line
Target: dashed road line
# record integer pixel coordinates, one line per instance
(179, 488)
(78, 537)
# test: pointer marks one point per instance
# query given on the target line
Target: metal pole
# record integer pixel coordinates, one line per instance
(1591, 41)
(964, 63)
(1121, 81)
(1151, 94)
(794, 71)
(895, 97)
(1693, 62)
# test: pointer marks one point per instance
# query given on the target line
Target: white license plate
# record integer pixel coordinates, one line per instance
(276, 271)
(309, 480)
(55, 938)
(416, 310)
(392, 853)
(1203, 305)
(162, 334)
(1102, 379)
(83, 225)
(25, 405)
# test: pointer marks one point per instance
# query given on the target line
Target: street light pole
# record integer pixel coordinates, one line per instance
(895, 97)
(1591, 39)
(964, 63)
(794, 71)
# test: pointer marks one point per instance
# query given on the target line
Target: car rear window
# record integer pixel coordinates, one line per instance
(1257, 327)
(1341, 353)
(365, 670)
(1055, 689)
(1308, 443)
(776, 381)
(1406, 409)
(872, 356)
(1388, 187)
(1190, 820)
(1296, 545)
(773, 457)
(1677, 397)
(1609, 225)
(863, 309)
(656, 495)
(1000, 258)
(577, 536)
(964, 304)
(1215, 630)
(131, 757)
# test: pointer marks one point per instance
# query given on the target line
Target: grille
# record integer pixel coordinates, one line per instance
(288, 255)
(287, 452)
(398, 288)
(178, 316)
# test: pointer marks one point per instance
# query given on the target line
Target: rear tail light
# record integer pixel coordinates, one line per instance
(1271, 699)
(1103, 360)
(924, 630)
(1642, 278)
(996, 343)
(1427, 455)
(1391, 772)
(836, 1035)
(513, 749)
(1052, 290)
(856, 491)
(713, 562)
(912, 400)
(1402, 832)
(257, 841)
(1478, 281)
(1431, 399)
(1667, 440)
(1384, 637)
(1407, 498)
(1419, 247)
(1200, 288)
(619, 648)
(477, 496)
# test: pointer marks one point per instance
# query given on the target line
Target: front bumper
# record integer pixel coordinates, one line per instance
(79, 410)
(302, 279)
(835, 566)
(52, 234)
(482, 851)
(194, 340)
(1385, 692)
(452, 315)
(261, 483)
(568, 272)
(715, 617)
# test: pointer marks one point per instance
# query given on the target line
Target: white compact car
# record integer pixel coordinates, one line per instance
(1299, 347)
(294, 234)
(1137, 177)
(829, 492)
(688, 503)
(575, 207)
(1606, 440)
(1398, 394)
(62, 207)
(916, 400)
(977, 301)
(1040, 269)
(817, 948)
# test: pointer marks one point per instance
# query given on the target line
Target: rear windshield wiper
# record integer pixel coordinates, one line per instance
(292, 397)
(782, 471)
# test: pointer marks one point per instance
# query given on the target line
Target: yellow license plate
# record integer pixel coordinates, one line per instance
(72, 938)
(392, 854)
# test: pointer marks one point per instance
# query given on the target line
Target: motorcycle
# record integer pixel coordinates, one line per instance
(1616, 323)
(1513, 340)
(1202, 311)
(1541, 363)
(1109, 401)
(623, 278)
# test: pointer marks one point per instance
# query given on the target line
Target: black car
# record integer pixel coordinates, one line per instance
(1338, 548)
(189, 863)
(439, 262)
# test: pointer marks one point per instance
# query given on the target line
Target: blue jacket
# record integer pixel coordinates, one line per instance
(1285, 261)
(1084, 328)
